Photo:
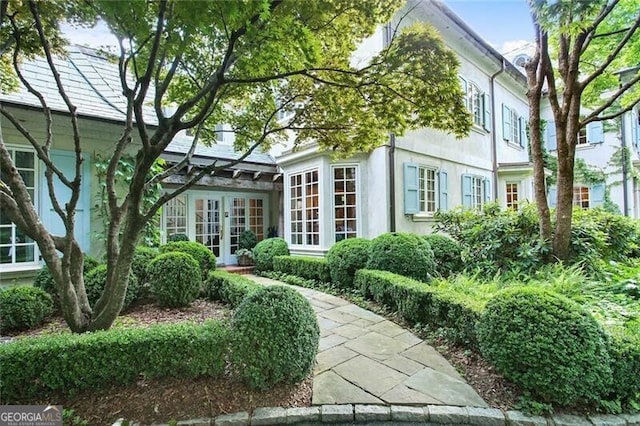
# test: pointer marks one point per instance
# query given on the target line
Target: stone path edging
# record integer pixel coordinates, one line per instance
(349, 414)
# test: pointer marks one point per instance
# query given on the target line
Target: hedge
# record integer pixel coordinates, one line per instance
(311, 268)
(624, 350)
(229, 288)
(417, 302)
(68, 363)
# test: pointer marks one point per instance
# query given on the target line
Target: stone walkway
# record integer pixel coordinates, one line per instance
(365, 359)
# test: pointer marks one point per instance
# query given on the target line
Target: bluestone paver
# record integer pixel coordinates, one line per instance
(401, 394)
(387, 328)
(428, 356)
(350, 331)
(403, 365)
(330, 358)
(330, 341)
(376, 346)
(370, 375)
(444, 388)
(331, 388)
(337, 316)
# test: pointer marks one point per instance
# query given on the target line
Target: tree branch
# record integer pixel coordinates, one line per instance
(593, 115)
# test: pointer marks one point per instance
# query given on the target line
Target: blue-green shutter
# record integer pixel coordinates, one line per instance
(595, 132)
(465, 90)
(635, 130)
(66, 162)
(444, 190)
(467, 191)
(411, 188)
(487, 113)
(522, 124)
(552, 143)
(506, 123)
(596, 195)
(487, 190)
(553, 196)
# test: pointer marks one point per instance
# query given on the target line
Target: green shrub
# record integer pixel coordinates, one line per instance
(546, 344)
(247, 240)
(419, 303)
(275, 337)
(96, 280)
(177, 237)
(311, 268)
(175, 279)
(624, 349)
(229, 288)
(404, 254)
(345, 258)
(67, 363)
(447, 254)
(23, 308)
(142, 257)
(44, 279)
(205, 257)
(266, 250)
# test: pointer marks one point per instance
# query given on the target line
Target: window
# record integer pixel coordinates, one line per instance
(512, 195)
(427, 190)
(477, 102)
(238, 222)
(175, 215)
(513, 126)
(476, 190)
(304, 208)
(582, 136)
(208, 224)
(581, 196)
(256, 217)
(344, 202)
(15, 246)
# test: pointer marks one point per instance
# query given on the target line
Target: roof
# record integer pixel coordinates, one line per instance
(182, 144)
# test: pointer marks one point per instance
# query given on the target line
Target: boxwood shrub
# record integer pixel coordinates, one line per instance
(310, 268)
(345, 258)
(96, 280)
(229, 288)
(23, 308)
(142, 257)
(275, 337)
(175, 279)
(266, 250)
(417, 302)
(446, 253)
(44, 279)
(624, 349)
(205, 257)
(68, 363)
(404, 254)
(177, 237)
(546, 344)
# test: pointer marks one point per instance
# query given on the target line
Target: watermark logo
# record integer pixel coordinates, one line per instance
(30, 415)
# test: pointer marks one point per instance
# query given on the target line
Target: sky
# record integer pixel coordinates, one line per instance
(505, 24)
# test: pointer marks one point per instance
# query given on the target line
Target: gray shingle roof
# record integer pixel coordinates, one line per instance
(181, 145)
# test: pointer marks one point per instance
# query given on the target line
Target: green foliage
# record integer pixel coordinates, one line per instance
(70, 418)
(205, 257)
(419, 303)
(546, 344)
(404, 254)
(275, 337)
(310, 268)
(447, 254)
(247, 240)
(23, 308)
(495, 241)
(345, 258)
(607, 236)
(68, 363)
(266, 250)
(96, 280)
(44, 279)
(177, 237)
(142, 257)
(624, 348)
(228, 288)
(175, 279)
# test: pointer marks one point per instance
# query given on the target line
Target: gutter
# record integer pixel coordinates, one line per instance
(494, 133)
(392, 182)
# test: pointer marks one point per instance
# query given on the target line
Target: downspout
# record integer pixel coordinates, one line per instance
(494, 135)
(392, 182)
(625, 171)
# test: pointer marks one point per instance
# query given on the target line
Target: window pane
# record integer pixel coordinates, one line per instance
(24, 160)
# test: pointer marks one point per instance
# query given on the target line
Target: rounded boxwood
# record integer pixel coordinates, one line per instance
(205, 257)
(175, 279)
(247, 240)
(24, 307)
(177, 237)
(403, 254)
(345, 258)
(546, 344)
(446, 253)
(44, 279)
(274, 337)
(96, 280)
(142, 257)
(266, 250)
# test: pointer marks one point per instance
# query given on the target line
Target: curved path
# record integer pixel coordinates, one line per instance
(364, 358)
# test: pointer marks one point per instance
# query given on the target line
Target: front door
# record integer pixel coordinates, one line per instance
(208, 225)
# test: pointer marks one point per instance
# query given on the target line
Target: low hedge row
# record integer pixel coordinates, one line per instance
(311, 268)
(73, 362)
(624, 350)
(417, 302)
(229, 288)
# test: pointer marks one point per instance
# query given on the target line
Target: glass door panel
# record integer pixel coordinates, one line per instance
(208, 226)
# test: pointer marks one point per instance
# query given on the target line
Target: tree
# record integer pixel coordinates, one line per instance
(590, 41)
(238, 62)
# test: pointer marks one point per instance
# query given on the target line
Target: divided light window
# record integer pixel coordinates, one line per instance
(344, 202)
(512, 195)
(175, 216)
(304, 208)
(427, 190)
(15, 247)
(478, 103)
(581, 196)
